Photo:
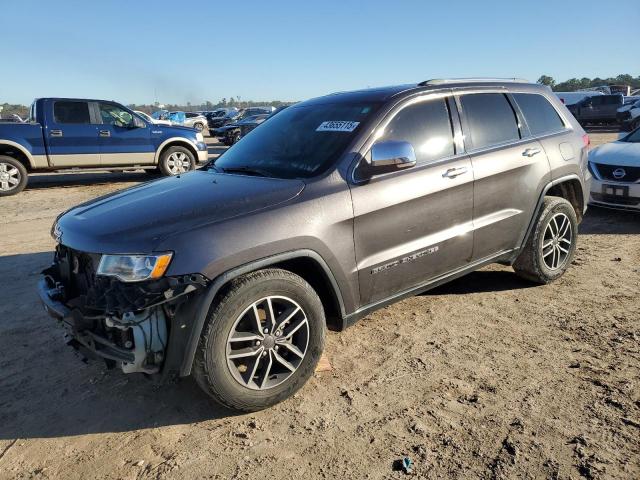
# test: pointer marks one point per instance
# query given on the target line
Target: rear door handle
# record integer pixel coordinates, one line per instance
(105, 133)
(530, 152)
(454, 172)
(55, 133)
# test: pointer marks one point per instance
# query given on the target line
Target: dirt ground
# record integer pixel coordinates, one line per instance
(487, 377)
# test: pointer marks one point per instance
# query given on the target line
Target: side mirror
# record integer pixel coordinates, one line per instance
(392, 155)
(137, 123)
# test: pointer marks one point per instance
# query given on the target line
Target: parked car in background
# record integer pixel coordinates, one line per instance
(570, 98)
(234, 117)
(597, 109)
(195, 120)
(65, 133)
(629, 116)
(224, 117)
(150, 119)
(174, 118)
(232, 132)
(615, 167)
(330, 210)
(250, 123)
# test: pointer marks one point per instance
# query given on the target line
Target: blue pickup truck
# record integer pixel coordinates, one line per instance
(66, 133)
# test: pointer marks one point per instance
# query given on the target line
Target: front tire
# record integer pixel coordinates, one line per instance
(176, 160)
(262, 340)
(13, 176)
(552, 243)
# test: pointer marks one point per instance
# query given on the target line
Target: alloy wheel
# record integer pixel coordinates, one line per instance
(556, 243)
(267, 342)
(9, 177)
(178, 162)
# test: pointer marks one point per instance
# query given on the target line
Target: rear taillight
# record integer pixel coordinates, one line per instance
(585, 140)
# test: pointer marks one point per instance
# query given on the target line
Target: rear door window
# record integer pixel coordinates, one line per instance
(425, 125)
(490, 119)
(66, 112)
(539, 113)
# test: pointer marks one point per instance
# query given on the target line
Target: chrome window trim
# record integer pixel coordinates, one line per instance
(377, 131)
(565, 121)
(523, 129)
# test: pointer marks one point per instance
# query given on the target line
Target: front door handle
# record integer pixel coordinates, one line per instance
(56, 133)
(454, 172)
(105, 133)
(530, 152)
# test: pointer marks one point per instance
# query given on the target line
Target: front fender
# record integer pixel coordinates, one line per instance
(198, 311)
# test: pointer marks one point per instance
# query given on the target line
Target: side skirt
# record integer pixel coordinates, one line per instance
(501, 257)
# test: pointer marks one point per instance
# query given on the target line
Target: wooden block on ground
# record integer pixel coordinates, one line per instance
(324, 365)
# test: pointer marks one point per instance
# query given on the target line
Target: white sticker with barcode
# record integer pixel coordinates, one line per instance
(337, 126)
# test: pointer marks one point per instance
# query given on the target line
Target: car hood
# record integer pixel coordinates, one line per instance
(623, 154)
(176, 129)
(138, 219)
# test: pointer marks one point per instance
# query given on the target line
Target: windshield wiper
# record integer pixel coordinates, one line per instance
(247, 170)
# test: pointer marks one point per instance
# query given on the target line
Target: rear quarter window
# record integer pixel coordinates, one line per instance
(490, 119)
(540, 115)
(71, 112)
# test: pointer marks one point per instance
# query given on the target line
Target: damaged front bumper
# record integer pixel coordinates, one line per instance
(140, 327)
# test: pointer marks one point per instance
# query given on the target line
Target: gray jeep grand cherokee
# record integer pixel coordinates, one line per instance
(333, 208)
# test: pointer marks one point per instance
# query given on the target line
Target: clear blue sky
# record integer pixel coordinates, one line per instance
(179, 51)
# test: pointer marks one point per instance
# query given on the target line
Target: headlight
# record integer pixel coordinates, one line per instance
(200, 137)
(134, 268)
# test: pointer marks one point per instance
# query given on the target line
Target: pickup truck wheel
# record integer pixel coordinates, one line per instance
(262, 340)
(552, 243)
(176, 160)
(13, 176)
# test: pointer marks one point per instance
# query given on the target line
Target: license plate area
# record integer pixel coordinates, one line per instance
(615, 191)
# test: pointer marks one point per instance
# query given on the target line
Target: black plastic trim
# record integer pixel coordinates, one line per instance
(206, 299)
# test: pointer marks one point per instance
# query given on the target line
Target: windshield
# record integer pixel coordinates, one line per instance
(299, 142)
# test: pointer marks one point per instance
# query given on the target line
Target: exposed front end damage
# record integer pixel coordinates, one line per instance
(130, 325)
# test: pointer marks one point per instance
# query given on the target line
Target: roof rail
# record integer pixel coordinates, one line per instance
(443, 81)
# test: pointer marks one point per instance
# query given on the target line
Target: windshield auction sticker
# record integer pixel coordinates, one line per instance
(337, 126)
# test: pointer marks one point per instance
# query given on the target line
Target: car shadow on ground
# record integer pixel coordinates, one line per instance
(47, 391)
(606, 221)
(482, 281)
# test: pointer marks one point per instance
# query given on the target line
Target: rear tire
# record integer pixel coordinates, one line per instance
(13, 176)
(280, 355)
(176, 161)
(552, 243)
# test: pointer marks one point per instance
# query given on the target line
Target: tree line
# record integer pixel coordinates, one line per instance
(570, 85)
(574, 84)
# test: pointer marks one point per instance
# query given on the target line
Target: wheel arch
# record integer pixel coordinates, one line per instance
(17, 151)
(308, 264)
(568, 187)
(175, 142)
